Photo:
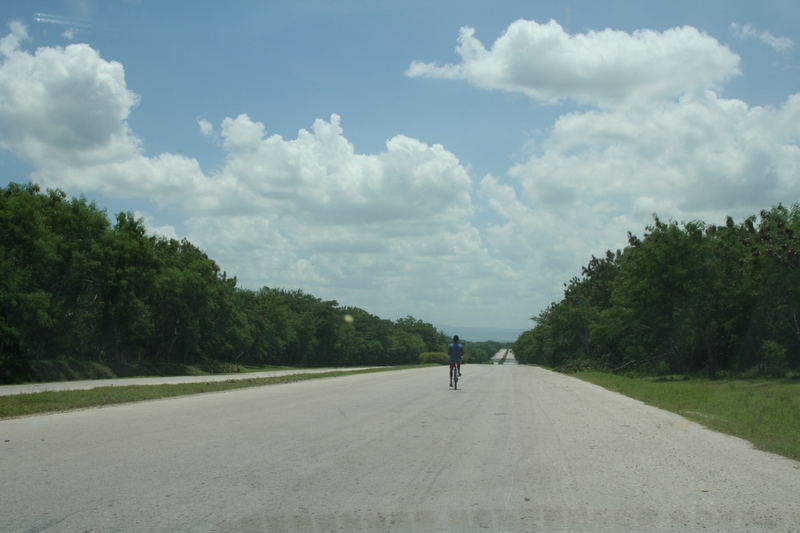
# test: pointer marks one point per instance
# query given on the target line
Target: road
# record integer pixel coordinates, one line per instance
(7, 390)
(508, 354)
(516, 449)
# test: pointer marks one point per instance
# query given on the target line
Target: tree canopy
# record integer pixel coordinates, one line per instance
(684, 298)
(74, 285)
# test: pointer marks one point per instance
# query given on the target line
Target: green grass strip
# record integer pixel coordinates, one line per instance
(764, 412)
(52, 401)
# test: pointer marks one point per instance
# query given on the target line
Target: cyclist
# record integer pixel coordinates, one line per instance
(456, 351)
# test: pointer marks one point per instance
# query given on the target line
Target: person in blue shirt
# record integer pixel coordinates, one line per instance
(456, 352)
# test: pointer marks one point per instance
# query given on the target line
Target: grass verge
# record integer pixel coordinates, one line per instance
(764, 412)
(73, 369)
(51, 401)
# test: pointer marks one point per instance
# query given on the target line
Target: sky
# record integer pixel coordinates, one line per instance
(453, 160)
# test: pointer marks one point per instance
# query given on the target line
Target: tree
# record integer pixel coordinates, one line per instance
(684, 298)
(75, 287)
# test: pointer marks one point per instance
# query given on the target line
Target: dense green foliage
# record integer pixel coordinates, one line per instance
(685, 298)
(481, 352)
(437, 358)
(75, 287)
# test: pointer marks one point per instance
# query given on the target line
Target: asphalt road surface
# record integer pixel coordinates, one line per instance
(507, 353)
(516, 449)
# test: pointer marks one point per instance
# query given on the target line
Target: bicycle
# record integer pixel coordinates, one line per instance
(455, 351)
(456, 373)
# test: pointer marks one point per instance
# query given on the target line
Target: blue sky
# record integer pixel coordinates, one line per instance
(459, 186)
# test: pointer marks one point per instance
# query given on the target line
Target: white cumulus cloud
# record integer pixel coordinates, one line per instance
(320, 174)
(386, 231)
(604, 68)
(601, 174)
(11, 42)
(396, 229)
(703, 154)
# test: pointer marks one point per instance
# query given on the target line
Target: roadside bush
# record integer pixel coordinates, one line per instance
(73, 369)
(165, 368)
(122, 369)
(69, 369)
(14, 366)
(575, 365)
(53, 370)
(439, 358)
(219, 367)
(774, 363)
(96, 370)
(751, 373)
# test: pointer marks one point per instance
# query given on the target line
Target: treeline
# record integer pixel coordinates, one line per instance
(76, 287)
(474, 352)
(684, 298)
(480, 352)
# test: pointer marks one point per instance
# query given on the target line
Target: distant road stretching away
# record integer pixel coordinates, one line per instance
(515, 449)
(509, 355)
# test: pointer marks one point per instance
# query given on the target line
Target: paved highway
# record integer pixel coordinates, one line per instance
(516, 449)
(508, 354)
